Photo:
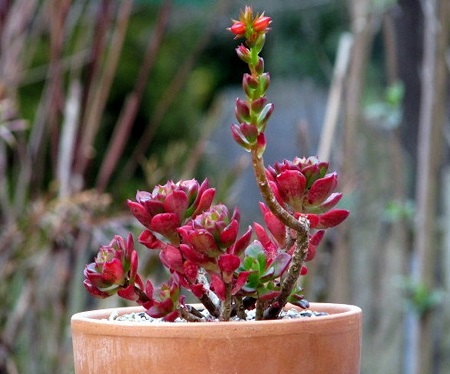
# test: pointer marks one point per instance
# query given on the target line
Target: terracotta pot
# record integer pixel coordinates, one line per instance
(327, 344)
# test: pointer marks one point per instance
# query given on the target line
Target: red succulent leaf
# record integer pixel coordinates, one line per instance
(258, 104)
(274, 187)
(198, 290)
(244, 53)
(228, 262)
(313, 220)
(218, 286)
(317, 237)
(205, 200)
(94, 291)
(332, 218)
(229, 234)
(171, 258)
(133, 265)
(321, 189)
(197, 258)
(190, 270)
(249, 132)
(240, 281)
(171, 317)
(260, 144)
(140, 213)
(148, 239)
(330, 202)
(280, 264)
(269, 247)
(113, 271)
(242, 111)
(128, 293)
(202, 241)
(291, 184)
(176, 202)
(166, 225)
(313, 169)
(264, 116)
(239, 137)
(242, 243)
(161, 309)
(275, 226)
(149, 289)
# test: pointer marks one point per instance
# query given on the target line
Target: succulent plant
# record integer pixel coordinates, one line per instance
(199, 241)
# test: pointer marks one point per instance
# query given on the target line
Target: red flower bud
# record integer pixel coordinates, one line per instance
(259, 67)
(238, 28)
(244, 53)
(261, 23)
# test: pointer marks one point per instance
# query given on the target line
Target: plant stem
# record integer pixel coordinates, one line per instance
(263, 184)
(226, 305)
(240, 309)
(301, 226)
(210, 306)
(298, 257)
(142, 296)
(189, 317)
(208, 298)
(259, 313)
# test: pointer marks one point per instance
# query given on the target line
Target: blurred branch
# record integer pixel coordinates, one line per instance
(172, 91)
(97, 96)
(432, 115)
(123, 127)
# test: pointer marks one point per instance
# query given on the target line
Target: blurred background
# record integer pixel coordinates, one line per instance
(99, 98)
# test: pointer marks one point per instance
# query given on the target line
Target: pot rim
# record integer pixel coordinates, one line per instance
(92, 321)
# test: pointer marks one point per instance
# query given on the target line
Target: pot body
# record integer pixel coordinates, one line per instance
(327, 344)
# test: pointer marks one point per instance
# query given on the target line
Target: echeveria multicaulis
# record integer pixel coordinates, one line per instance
(164, 209)
(114, 269)
(200, 242)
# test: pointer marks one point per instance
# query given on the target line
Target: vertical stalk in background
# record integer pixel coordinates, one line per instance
(97, 98)
(362, 18)
(432, 114)
(173, 89)
(122, 130)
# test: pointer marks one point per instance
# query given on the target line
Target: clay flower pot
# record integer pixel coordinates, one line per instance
(326, 344)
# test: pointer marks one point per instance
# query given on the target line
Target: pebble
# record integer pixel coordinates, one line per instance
(144, 317)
